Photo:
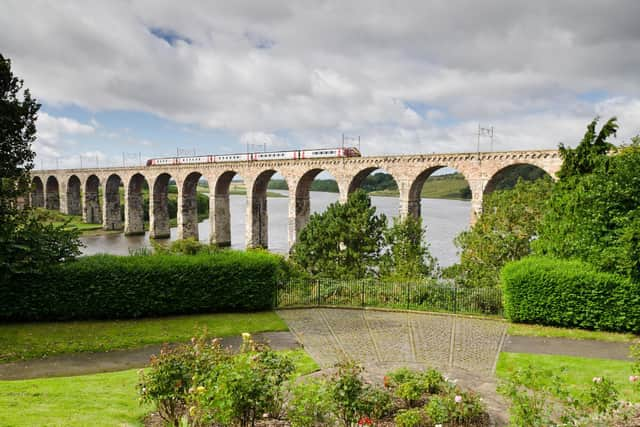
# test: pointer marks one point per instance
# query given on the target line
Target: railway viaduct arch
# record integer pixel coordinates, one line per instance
(95, 192)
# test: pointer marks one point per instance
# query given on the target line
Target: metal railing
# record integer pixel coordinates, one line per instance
(427, 296)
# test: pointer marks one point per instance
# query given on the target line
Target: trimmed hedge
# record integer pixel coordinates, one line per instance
(115, 287)
(566, 293)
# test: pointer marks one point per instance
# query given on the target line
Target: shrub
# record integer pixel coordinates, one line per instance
(167, 382)
(241, 388)
(414, 386)
(542, 398)
(309, 404)
(107, 286)
(409, 418)
(571, 294)
(346, 388)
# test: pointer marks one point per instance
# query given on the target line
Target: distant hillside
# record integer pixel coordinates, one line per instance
(450, 186)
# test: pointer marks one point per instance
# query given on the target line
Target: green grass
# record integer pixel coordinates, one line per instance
(521, 329)
(437, 187)
(21, 341)
(97, 400)
(579, 370)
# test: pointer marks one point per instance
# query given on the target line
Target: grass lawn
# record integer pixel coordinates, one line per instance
(579, 370)
(521, 329)
(96, 400)
(21, 341)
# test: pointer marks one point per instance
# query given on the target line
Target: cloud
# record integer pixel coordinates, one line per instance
(54, 134)
(312, 71)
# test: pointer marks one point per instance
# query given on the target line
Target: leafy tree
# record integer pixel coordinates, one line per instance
(596, 217)
(407, 256)
(25, 244)
(342, 242)
(503, 233)
(591, 151)
(17, 132)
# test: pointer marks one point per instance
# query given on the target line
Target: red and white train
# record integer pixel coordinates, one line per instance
(268, 155)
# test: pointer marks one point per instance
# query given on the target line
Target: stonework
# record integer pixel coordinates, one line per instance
(481, 170)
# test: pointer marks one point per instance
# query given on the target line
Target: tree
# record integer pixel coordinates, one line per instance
(17, 132)
(407, 256)
(342, 242)
(591, 151)
(25, 244)
(596, 216)
(503, 233)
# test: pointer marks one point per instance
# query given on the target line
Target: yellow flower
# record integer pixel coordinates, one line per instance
(200, 389)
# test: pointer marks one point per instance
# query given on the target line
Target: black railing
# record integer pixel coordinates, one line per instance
(429, 296)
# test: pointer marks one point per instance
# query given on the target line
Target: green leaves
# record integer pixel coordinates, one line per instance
(106, 286)
(503, 233)
(567, 293)
(344, 241)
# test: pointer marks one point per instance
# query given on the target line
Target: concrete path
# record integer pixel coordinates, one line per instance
(567, 347)
(119, 360)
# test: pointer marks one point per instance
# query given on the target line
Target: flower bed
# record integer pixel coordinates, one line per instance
(202, 384)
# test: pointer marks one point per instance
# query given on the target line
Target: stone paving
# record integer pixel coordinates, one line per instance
(464, 349)
(389, 338)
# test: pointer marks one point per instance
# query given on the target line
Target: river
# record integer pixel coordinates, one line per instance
(443, 220)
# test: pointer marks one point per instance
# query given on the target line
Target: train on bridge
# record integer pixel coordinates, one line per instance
(249, 157)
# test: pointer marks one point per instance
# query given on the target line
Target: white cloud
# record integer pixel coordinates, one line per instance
(262, 69)
(54, 134)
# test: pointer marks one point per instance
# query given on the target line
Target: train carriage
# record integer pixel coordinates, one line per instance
(258, 156)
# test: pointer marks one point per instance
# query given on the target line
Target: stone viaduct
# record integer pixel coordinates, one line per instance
(95, 193)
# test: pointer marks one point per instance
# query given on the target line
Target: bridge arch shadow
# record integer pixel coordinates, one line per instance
(91, 206)
(258, 213)
(161, 209)
(52, 194)
(193, 205)
(37, 192)
(74, 205)
(136, 210)
(113, 211)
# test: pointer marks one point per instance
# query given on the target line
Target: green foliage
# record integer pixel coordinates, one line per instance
(167, 382)
(18, 114)
(409, 418)
(503, 233)
(239, 389)
(571, 294)
(412, 387)
(346, 388)
(426, 294)
(105, 286)
(342, 242)
(309, 404)
(533, 394)
(407, 256)
(542, 397)
(379, 182)
(596, 217)
(590, 153)
(189, 246)
(25, 244)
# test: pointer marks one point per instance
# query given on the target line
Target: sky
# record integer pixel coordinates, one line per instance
(121, 81)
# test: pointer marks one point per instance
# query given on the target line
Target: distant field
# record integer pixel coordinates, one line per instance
(452, 186)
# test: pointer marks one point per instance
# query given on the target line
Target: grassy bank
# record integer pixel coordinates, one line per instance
(452, 187)
(22, 341)
(98, 400)
(579, 371)
(521, 329)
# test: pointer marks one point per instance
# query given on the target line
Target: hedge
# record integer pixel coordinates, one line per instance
(114, 287)
(566, 293)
